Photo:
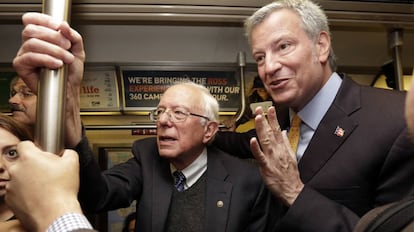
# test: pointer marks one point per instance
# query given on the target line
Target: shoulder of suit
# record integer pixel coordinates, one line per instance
(232, 159)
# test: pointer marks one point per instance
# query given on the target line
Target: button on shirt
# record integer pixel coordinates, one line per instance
(195, 170)
(312, 114)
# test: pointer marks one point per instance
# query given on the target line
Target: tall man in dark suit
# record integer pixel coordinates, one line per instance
(353, 152)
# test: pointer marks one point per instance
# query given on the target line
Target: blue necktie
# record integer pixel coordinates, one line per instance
(179, 181)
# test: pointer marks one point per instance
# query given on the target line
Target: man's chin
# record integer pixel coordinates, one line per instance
(21, 117)
(167, 153)
(17, 112)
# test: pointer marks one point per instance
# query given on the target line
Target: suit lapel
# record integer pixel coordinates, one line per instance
(218, 193)
(333, 130)
(162, 186)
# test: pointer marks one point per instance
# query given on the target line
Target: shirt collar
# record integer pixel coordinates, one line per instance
(316, 109)
(194, 171)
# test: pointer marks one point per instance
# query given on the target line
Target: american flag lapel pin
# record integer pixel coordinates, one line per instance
(339, 131)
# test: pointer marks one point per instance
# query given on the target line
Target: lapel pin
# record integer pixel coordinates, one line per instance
(220, 204)
(339, 131)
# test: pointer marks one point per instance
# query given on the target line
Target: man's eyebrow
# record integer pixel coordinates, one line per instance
(24, 88)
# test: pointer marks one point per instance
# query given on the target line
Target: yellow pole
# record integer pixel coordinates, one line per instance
(51, 100)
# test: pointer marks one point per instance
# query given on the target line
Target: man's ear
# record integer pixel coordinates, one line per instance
(324, 46)
(210, 131)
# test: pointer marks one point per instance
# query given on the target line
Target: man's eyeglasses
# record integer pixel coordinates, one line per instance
(22, 92)
(174, 115)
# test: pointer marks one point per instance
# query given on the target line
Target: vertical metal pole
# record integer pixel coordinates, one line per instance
(241, 58)
(395, 44)
(49, 131)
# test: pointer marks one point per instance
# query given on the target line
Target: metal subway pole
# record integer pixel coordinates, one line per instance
(49, 131)
(395, 44)
(241, 58)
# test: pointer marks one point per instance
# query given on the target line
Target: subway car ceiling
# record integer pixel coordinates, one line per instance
(205, 31)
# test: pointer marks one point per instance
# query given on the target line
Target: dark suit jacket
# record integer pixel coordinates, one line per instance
(147, 179)
(372, 164)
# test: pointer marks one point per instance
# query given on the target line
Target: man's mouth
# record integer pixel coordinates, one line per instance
(278, 83)
(3, 183)
(15, 108)
(166, 138)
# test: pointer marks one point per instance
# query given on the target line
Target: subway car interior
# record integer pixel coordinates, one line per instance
(134, 47)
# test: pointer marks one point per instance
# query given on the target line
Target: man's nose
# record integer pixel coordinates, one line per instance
(272, 64)
(164, 117)
(15, 99)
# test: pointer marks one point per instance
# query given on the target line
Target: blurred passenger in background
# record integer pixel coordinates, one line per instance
(257, 95)
(258, 92)
(23, 103)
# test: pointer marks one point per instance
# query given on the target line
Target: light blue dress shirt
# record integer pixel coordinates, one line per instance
(313, 112)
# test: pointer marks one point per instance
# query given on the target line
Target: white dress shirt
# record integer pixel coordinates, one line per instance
(195, 170)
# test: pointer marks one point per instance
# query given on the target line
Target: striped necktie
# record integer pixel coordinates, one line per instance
(179, 180)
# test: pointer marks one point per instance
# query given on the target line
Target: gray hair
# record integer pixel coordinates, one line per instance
(313, 19)
(210, 105)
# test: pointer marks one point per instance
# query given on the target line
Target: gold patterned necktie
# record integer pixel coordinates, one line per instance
(294, 132)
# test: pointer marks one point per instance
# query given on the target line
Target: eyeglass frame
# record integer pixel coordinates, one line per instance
(170, 117)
